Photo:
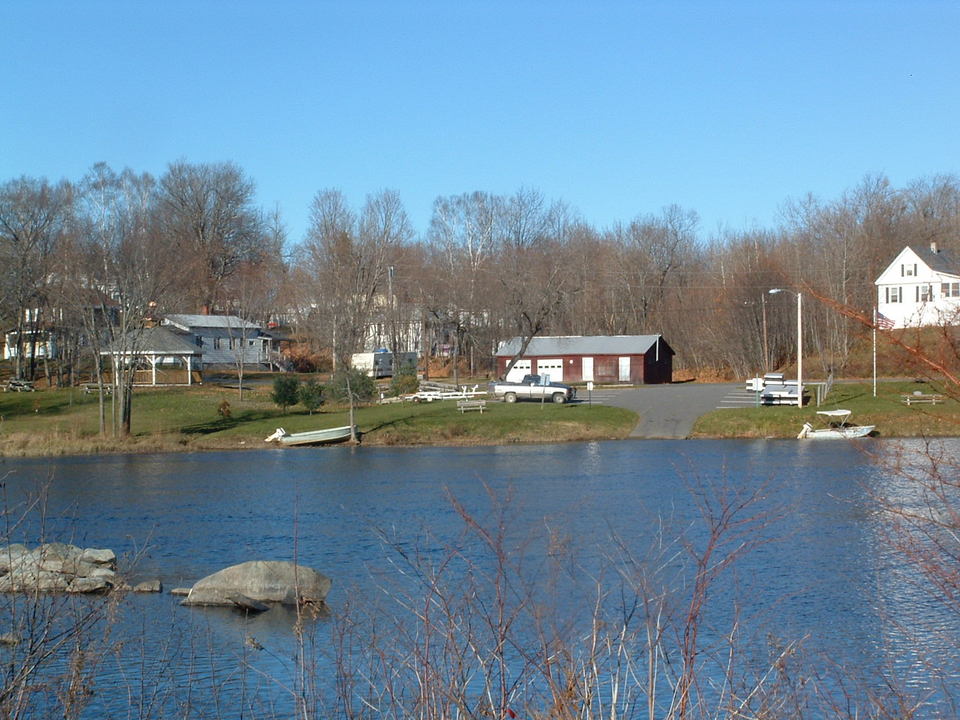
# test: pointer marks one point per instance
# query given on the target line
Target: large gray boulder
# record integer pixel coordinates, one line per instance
(12, 556)
(56, 567)
(261, 580)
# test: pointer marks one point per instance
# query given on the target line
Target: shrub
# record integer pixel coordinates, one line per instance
(405, 382)
(305, 359)
(311, 395)
(286, 391)
(362, 386)
(223, 409)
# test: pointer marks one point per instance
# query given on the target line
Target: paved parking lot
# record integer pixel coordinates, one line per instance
(738, 397)
(666, 411)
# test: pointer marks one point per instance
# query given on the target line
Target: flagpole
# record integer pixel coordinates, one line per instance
(874, 350)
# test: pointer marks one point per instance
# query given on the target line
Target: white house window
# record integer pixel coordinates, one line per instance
(908, 270)
(951, 289)
(216, 343)
(894, 295)
(924, 293)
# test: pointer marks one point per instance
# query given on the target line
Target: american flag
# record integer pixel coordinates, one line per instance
(882, 321)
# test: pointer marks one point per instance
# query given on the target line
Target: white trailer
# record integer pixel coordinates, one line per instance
(382, 364)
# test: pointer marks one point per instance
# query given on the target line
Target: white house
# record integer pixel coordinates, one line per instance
(921, 287)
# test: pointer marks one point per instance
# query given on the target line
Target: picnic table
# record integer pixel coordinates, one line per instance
(465, 405)
(918, 398)
(18, 385)
(91, 388)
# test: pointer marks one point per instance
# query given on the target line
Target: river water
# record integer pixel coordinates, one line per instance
(819, 568)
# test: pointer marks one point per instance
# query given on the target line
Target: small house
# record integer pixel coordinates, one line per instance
(920, 287)
(227, 340)
(633, 359)
(36, 343)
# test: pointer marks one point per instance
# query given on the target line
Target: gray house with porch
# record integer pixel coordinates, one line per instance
(227, 340)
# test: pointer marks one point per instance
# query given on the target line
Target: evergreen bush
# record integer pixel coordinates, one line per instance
(311, 395)
(286, 391)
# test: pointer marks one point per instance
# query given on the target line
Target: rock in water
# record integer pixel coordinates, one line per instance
(262, 580)
(88, 585)
(56, 567)
(12, 556)
(99, 556)
(148, 586)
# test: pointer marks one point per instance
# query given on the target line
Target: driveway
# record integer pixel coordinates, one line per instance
(666, 411)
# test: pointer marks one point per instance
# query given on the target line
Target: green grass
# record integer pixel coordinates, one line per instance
(52, 422)
(886, 411)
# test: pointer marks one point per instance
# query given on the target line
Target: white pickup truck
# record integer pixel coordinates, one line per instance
(532, 387)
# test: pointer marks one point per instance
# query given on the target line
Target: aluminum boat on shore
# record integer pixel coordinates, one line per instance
(837, 427)
(311, 437)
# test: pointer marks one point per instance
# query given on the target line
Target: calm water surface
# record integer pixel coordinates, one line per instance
(825, 575)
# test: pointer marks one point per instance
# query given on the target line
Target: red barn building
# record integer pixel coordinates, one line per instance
(634, 359)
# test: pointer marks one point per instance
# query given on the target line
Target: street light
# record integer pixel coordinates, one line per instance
(774, 291)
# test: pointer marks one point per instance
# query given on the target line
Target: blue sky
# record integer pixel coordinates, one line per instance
(726, 108)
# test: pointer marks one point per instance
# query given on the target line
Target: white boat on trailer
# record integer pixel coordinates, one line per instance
(837, 427)
(311, 437)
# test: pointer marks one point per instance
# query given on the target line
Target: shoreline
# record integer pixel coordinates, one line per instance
(147, 446)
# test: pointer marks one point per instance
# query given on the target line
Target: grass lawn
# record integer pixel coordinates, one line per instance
(886, 411)
(56, 422)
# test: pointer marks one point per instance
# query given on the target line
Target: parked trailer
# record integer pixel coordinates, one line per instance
(381, 364)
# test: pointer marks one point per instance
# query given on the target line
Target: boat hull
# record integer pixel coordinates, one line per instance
(844, 433)
(317, 437)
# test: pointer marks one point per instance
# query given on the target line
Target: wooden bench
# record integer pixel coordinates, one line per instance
(919, 398)
(16, 385)
(465, 405)
(91, 388)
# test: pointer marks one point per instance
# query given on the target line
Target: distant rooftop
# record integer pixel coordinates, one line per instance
(583, 345)
(154, 340)
(231, 322)
(938, 259)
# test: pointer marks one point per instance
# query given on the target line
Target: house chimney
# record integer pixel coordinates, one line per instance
(933, 247)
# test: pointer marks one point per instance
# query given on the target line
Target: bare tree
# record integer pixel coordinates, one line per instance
(33, 217)
(534, 282)
(463, 239)
(348, 258)
(253, 291)
(125, 257)
(207, 209)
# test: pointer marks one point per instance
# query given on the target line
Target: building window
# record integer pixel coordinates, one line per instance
(949, 290)
(924, 293)
(894, 295)
(216, 343)
(908, 270)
